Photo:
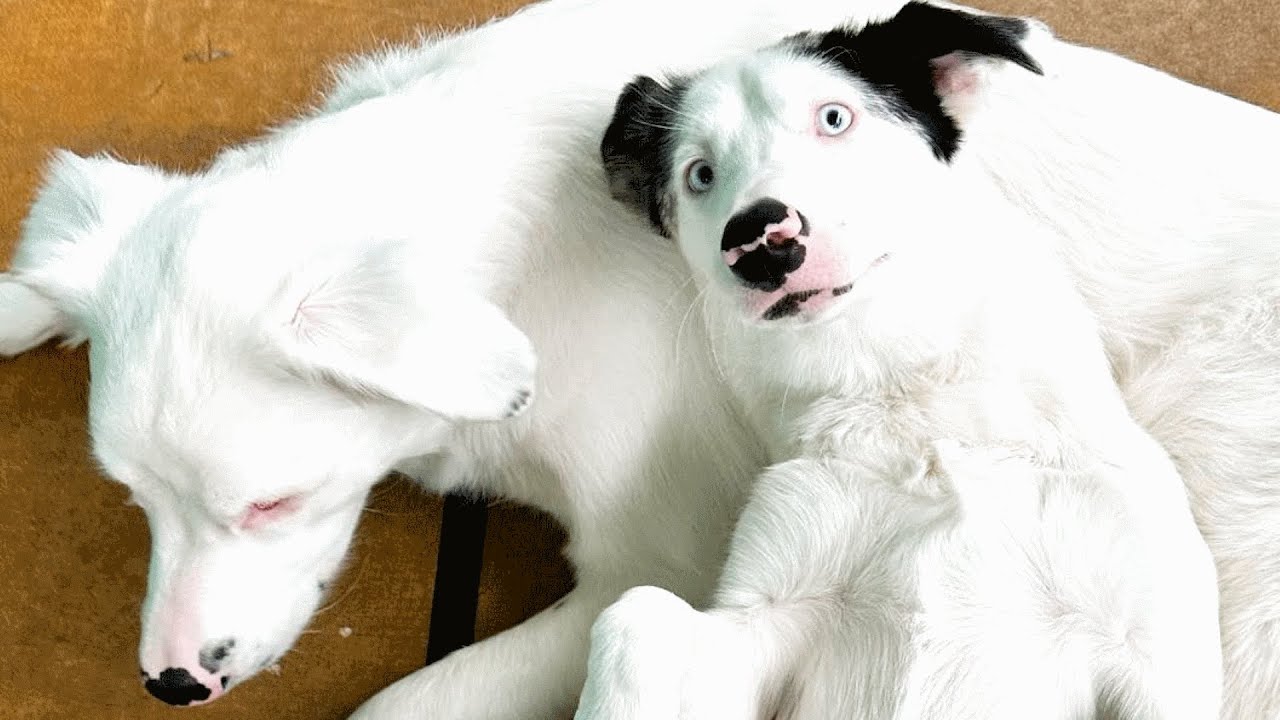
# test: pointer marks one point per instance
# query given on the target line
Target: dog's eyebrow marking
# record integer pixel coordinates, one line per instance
(753, 93)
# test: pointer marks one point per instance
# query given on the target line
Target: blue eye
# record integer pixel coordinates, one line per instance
(700, 176)
(834, 118)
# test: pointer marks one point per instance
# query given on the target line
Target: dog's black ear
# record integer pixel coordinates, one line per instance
(898, 59)
(637, 145)
(932, 32)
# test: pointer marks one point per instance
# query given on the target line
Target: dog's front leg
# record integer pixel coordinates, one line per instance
(533, 671)
(653, 657)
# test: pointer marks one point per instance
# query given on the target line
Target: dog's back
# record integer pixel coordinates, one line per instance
(1164, 196)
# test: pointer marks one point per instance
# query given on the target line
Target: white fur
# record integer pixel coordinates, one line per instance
(1175, 243)
(341, 298)
(29, 318)
(479, 150)
(886, 572)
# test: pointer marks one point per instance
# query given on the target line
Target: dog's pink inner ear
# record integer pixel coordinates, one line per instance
(309, 316)
(265, 511)
(954, 76)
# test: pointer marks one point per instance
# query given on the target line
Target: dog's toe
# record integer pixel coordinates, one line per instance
(520, 403)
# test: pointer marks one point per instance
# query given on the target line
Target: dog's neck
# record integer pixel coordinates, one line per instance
(1015, 362)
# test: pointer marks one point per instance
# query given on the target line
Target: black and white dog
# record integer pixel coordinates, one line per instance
(970, 523)
(368, 286)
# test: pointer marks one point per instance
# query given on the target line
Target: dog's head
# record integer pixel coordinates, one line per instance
(811, 176)
(249, 397)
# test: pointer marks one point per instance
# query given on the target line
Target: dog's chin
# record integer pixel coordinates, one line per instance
(802, 306)
(251, 667)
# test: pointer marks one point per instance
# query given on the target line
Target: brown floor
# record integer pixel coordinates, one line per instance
(170, 82)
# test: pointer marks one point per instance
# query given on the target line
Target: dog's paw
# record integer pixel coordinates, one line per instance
(517, 375)
(494, 378)
(467, 364)
(521, 402)
(509, 391)
(636, 666)
(27, 319)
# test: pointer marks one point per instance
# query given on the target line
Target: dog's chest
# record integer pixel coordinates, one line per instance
(896, 428)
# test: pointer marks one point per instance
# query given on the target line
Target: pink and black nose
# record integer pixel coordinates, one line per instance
(764, 242)
(183, 686)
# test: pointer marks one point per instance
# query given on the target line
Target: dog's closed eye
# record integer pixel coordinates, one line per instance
(262, 512)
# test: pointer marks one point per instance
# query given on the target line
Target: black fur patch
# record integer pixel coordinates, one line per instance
(893, 57)
(788, 305)
(637, 147)
(211, 658)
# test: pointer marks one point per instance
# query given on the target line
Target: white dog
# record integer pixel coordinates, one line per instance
(872, 302)
(272, 335)
(465, 172)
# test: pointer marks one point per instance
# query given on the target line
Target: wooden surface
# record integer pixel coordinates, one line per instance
(170, 82)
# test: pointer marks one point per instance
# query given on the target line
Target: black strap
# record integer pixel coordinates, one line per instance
(457, 585)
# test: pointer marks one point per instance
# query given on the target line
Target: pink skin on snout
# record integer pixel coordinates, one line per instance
(823, 272)
(178, 638)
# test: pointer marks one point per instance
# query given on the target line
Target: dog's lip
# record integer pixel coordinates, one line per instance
(789, 305)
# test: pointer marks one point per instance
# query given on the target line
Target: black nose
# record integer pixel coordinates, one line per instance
(765, 257)
(176, 687)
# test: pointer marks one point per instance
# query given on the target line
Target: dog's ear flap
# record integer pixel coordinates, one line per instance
(926, 60)
(75, 224)
(636, 148)
(364, 326)
(933, 32)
